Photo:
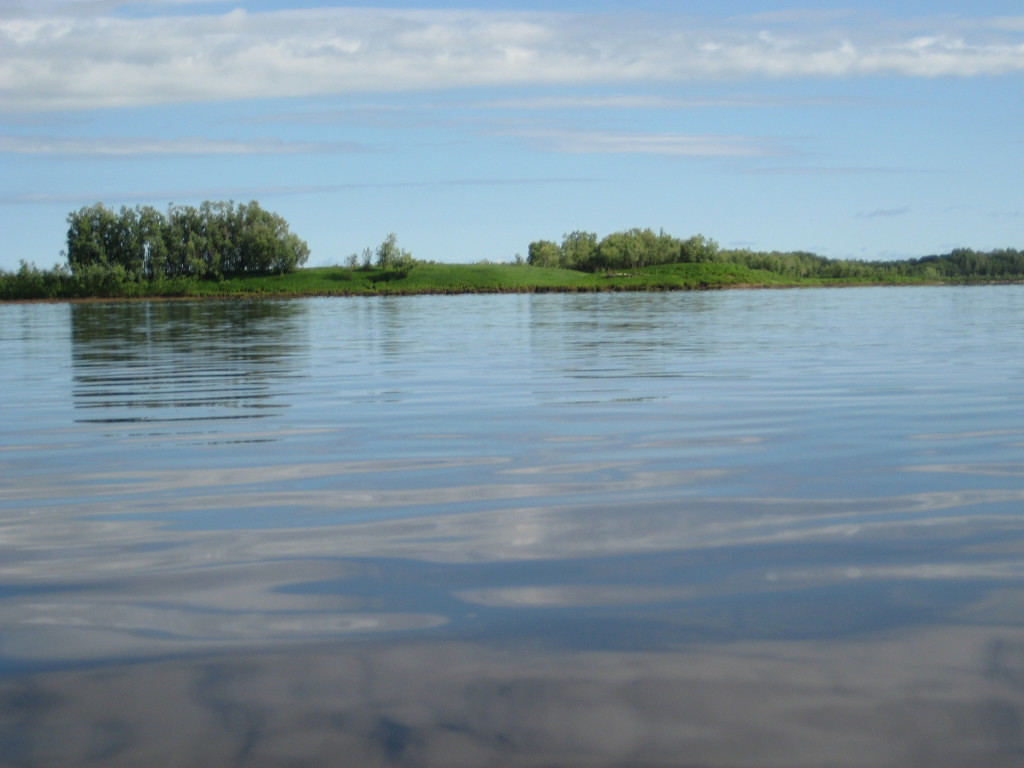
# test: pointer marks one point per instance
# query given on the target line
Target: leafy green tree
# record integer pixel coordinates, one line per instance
(92, 236)
(390, 256)
(577, 250)
(633, 249)
(189, 246)
(153, 239)
(664, 249)
(698, 249)
(616, 251)
(543, 253)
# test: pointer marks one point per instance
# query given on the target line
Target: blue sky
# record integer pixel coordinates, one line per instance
(469, 128)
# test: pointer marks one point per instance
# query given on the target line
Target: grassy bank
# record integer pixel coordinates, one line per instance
(485, 278)
(421, 278)
(224, 250)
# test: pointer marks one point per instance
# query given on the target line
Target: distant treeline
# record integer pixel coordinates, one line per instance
(638, 248)
(228, 249)
(210, 241)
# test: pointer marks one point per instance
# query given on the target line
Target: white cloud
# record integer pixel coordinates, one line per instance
(135, 146)
(648, 101)
(886, 213)
(78, 60)
(673, 144)
(134, 195)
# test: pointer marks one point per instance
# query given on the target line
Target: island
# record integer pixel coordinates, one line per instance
(221, 249)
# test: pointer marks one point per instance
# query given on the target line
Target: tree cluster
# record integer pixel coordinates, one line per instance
(959, 265)
(388, 255)
(631, 249)
(210, 241)
(638, 248)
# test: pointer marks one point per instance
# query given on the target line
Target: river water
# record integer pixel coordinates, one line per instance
(741, 528)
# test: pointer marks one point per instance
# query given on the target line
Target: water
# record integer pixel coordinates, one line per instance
(767, 528)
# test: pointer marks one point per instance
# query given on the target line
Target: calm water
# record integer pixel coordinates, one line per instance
(771, 528)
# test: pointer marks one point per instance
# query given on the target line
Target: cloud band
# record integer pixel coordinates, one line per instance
(78, 62)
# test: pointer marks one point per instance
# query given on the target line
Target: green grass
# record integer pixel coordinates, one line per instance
(419, 279)
(424, 278)
(485, 278)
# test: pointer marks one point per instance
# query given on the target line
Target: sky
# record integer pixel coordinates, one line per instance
(887, 129)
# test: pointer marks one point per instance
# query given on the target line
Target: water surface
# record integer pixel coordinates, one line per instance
(716, 529)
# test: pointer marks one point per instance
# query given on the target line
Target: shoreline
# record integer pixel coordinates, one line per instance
(280, 295)
(433, 279)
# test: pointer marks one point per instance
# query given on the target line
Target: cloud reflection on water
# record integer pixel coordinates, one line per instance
(140, 587)
(939, 698)
(725, 531)
(998, 470)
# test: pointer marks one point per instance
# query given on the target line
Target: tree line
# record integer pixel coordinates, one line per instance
(638, 248)
(144, 252)
(213, 240)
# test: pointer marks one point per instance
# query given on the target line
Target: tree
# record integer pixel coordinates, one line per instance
(91, 236)
(153, 239)
(614, 252)
(543, 253)
(665, 249)
(390, 256)
(698, 249)
(577, 250)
